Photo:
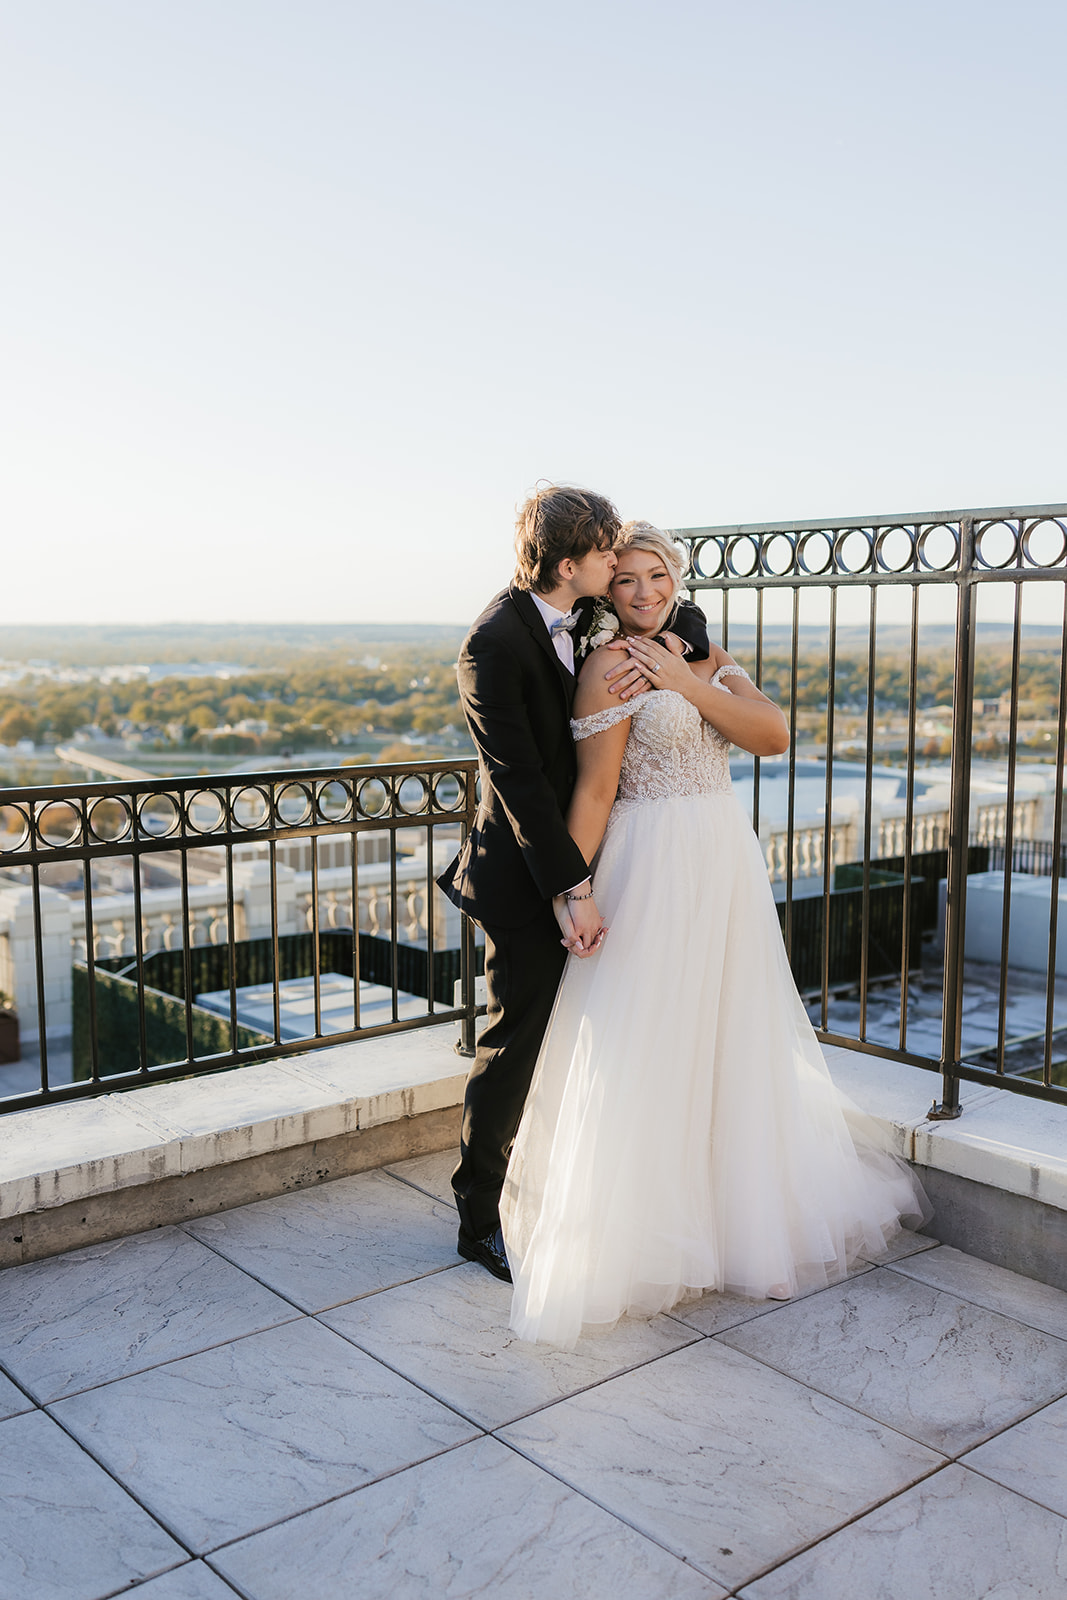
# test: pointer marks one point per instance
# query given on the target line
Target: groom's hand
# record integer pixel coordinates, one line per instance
(630, 677)
(634, 676)
(581, 924)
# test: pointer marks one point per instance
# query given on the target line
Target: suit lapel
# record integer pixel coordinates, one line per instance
(534, 621)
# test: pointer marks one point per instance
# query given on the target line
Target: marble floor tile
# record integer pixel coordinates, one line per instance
(718, 1310)
(322, 1246)
(479, 1522)
(1030, 1458)
(449, 1334)
(1037, 1304)
(12, 1399)
(952, 1537)
(67, 1530)
(905, 1244)
(432, 1174)
(226, 1442)
(943, 1371)
(103, 1312)
(194, 1581)
(722, 1461)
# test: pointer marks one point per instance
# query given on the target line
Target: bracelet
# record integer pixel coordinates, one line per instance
(588, 896)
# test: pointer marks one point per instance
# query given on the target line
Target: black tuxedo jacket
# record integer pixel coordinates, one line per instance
(517, 696)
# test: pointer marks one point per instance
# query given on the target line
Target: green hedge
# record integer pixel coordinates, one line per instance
(929, 865)
(254, 964)
(885, 929)
(118, 1031)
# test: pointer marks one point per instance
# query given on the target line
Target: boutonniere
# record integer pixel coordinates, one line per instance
(604, 626)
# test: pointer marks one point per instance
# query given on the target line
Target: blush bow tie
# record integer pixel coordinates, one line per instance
(564, 624)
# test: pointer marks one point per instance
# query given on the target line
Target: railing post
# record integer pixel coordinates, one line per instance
(958, 832)
(466, 1045)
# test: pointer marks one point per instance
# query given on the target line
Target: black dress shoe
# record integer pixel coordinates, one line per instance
(488, 1251)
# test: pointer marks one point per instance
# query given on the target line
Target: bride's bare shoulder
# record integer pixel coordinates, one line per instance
(593, 693)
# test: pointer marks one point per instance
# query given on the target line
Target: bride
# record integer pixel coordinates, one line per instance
(682, 1132)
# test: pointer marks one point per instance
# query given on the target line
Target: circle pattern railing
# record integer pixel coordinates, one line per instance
(194, 817)
(1013, 546)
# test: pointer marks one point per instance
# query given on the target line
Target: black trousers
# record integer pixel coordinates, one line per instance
(523, 967)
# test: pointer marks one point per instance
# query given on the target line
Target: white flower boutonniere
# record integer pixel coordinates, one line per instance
(604, 626)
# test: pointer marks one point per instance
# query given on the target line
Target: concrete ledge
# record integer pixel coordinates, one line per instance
(1003, 1140)
(94, 1169)
(1010, 1230)
(113, 1213)
(997, 1177)
(91, 1170)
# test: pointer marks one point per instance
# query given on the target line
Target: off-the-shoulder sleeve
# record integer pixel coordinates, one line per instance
(726, 671)
(600, 721)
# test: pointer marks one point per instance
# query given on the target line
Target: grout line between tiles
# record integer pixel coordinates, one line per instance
(831, 1533)
(432, 1272)
(411, 1184)
(792, 1556)
(850, 1405)
(1008, 1489)
(21, 1387)
(179, 1568)
(1008, 1426)
(126, 1490)
(771, 1308)
(231, 1583)
(331, 1499)
(489, 1427)
(847, 1404)
(584, 1494)
(186, 1355)
(958, 1294)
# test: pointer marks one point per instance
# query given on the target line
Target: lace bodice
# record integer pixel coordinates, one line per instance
(671, 749)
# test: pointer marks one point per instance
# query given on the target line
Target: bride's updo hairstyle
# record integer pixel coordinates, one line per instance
(645, 536)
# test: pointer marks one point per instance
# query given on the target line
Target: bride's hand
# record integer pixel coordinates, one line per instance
(631, 676)
(664, 668)
(573, 940)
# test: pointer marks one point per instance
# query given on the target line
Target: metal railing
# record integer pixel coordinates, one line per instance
(796, 602)
(157, 929)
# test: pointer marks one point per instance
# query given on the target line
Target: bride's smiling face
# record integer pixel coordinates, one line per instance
(642, 590)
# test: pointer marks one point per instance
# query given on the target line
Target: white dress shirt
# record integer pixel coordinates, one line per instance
(562, 642)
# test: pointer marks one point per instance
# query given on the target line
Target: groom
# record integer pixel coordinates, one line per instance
(516, 679)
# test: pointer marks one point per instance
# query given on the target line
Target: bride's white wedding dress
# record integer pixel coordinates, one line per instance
(682, 1132)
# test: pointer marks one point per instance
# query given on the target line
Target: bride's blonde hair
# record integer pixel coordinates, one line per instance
(646, 536)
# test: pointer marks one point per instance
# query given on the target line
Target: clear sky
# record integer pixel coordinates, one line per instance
(300, 298)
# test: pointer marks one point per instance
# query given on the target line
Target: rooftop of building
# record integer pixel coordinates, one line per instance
(311, 1394)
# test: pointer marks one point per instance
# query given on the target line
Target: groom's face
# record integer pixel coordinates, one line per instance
(594, 571)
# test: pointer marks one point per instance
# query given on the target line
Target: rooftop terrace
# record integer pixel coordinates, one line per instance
(311, 1395)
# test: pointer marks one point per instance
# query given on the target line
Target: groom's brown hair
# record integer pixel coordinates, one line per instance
(558, 524)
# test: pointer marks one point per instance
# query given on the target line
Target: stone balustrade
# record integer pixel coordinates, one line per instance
(114, 929)
(114, 925)
(930, 826)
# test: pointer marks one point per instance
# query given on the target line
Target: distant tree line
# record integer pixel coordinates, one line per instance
(317, 702)
(333, 698)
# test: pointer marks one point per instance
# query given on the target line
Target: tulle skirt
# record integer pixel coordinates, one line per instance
(682, 1132)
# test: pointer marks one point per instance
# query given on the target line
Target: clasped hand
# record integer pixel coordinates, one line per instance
(648, 666)
(581, 924)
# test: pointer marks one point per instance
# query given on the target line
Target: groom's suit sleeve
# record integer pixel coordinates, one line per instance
(492, 688)
(691, 626)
